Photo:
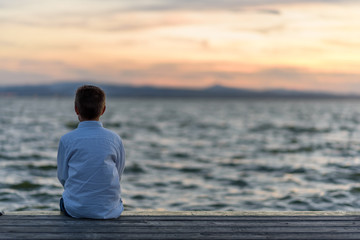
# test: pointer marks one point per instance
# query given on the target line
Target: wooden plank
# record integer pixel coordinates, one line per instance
(202, 213)
(199, 213)
(248, 236)
(131, 236)
(215, 223)
(183, 229)
(182, 226)
(196, 218)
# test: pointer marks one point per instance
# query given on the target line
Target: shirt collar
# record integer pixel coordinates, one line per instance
(86, 124)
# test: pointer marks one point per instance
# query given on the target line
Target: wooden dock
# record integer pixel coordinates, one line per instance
(184, 225)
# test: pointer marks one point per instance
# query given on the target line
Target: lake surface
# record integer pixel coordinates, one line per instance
(195, 154)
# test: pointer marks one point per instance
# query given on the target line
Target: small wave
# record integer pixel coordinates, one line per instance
(199, 207)
(290, 128)
(71, 125)
(203, 125)
(129, 207)
(339, 166)
(160, 184)
(134, 168)
(180, 155)
(267, 169)
(283, 170)
(176, 204)
(355, 190)
(6, 197)
(188, 187)
(298, 149)
(178, 167)
(153, 129)
(219, 206)
(238, 156)
(126, 135)
(340, 194)
(235, 182)
(142, 125)
(263, 127)
(305, 129)
(33, 156)
(299, 203)
(190, 170)
(112, 124)
(355, 176)
(139, 197)
(239, 183)
(25, 186)
(286, 197)
(220, 126)
(43, 167)
(347, 128)
(231, 163)
(43, 196)
(181, 185)
(160, 167)
(299, 170)
(36, 207)
(46, 167)
(320, 199)
(315, 202)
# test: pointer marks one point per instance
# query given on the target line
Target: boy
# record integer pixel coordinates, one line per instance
(91, 161)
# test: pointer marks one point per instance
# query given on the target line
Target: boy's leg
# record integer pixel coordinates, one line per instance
(62, 207)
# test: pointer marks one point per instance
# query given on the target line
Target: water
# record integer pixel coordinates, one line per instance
(195, 154)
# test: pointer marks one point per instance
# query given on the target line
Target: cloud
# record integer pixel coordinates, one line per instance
(229, 5)
(99, 21)
(37, 71)
(15, 77)
(205, 74)
(343, 43)
(270, 11)
(297, 78)
(11, 4)
(182, 74)
(114, 15)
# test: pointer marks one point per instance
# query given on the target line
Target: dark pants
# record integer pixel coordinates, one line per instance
(62, 207)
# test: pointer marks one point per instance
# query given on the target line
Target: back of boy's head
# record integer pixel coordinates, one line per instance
(90, 101)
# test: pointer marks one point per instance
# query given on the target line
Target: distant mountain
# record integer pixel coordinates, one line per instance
(217, 91)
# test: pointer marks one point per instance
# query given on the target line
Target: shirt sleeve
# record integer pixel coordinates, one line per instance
(62, 166)
(121, 161)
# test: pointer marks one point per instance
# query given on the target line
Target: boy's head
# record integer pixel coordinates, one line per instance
(89, 102)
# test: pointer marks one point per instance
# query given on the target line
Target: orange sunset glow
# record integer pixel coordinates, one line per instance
(299, 44)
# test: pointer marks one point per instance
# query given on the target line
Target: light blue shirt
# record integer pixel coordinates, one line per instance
(91, 161)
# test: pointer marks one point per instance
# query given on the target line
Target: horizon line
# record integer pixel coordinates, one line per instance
(84, 82)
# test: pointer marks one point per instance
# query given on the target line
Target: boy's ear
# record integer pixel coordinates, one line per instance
(103, 110)
(76, 110)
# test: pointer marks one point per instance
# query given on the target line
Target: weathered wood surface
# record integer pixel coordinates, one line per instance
(184, 225)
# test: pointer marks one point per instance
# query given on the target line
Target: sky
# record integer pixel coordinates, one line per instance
(258, 44)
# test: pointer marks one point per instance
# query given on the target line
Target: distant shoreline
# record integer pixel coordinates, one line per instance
(127, 91)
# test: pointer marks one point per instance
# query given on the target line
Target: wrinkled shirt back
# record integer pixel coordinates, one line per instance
(91, 161)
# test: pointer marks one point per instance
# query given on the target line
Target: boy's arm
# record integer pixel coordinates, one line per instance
(62, 168)
(121, 161)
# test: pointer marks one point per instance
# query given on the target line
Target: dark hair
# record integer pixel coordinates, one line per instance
(90, 101)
